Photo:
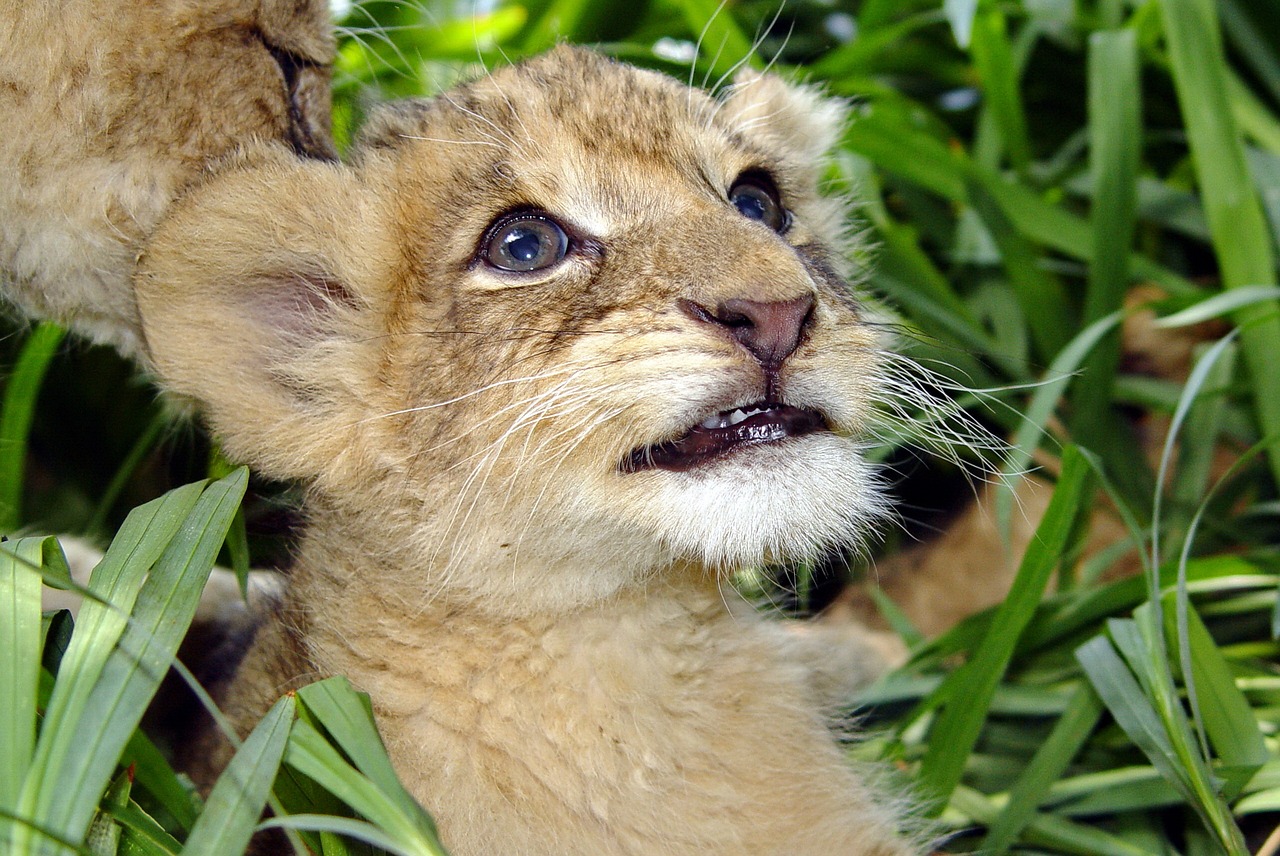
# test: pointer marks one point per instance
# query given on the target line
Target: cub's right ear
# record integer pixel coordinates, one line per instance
(258, 297)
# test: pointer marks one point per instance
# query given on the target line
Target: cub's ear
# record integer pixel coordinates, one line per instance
(800, 122)
(257, 296)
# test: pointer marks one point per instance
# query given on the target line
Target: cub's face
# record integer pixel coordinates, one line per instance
(554, 331)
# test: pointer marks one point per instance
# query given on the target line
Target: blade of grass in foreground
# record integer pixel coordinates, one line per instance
(969, 690)
(1037, 414)
(65, 782)
(1051, 830)
(348, 717)
(371, 788)
(116, 580)
(1138, 690)
(346, 826)
(1228, 719)
(311, 754)
(237, 800)
(16, 412)
(20, 665)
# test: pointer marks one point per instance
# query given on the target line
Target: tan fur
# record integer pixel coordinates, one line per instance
(111, 107)
(554, 658)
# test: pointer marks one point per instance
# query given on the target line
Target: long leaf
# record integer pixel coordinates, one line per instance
(348, 717)
(1044, 400)
(1045, 768)
(16, 412)
(240, 794)
(1240, 237)
(116, 582)
(995, 65)
(971, 688)
(1115, 134)
(311, 754)
(1228, 719)
(66, 782)
(20, 563)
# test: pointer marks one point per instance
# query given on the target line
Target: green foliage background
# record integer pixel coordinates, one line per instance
(1021, 166)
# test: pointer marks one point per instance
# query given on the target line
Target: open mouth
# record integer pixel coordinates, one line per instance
(726, 431)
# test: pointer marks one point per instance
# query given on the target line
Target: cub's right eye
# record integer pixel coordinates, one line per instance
(523, 243)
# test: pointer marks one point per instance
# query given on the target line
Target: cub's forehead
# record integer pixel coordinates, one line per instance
(569, 125)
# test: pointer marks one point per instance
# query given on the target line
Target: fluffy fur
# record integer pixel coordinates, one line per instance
(551, 652)
(113, 107)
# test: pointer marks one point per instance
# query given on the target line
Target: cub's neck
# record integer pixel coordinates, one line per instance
(595, 724)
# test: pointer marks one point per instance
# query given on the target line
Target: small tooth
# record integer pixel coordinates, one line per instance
(740, 415)
(713, 422)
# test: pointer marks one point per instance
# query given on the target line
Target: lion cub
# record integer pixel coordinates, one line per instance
(556, 352)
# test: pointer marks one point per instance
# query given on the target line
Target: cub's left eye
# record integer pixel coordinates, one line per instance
(524, 243)
(757, 199)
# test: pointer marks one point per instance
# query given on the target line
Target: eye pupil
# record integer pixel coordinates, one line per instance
(756, 199)
(750, 206)
(524, 243)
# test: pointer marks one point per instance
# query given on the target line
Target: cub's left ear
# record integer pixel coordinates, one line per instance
(797, 121)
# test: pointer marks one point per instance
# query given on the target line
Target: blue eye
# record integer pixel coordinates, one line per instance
(756, 199)
(526, 243)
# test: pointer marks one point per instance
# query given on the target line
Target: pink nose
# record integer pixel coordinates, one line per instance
(769, 331)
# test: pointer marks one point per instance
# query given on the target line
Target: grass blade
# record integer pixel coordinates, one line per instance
(1115, 135)
(145, 443)
(1129, 705)
(152, 772)
(116, 582)
(357, 829)
(970, 688)
(63, 788)
(1240, 237)
(348, 717)
(20, 637)
(994, 62)
(1045, 768)
(1039, 293)
(1218, 305)
(312, 755)
(16, 412)
(1063, 836)
(1036, 416)
(1139, 692)
(240, 794)
(1228, 719)
(141, 835)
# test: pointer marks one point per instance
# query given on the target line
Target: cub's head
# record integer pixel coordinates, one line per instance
(549, 333)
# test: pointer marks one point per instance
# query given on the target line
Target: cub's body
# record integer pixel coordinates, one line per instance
(554, 354)
(652, 723)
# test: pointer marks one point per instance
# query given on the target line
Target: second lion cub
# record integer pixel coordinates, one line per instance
(554, 353)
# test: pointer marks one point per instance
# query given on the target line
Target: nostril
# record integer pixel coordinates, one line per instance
(769, 331)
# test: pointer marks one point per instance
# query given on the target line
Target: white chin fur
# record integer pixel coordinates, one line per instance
(765, 503)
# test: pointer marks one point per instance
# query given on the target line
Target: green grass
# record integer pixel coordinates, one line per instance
(1023, 165)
